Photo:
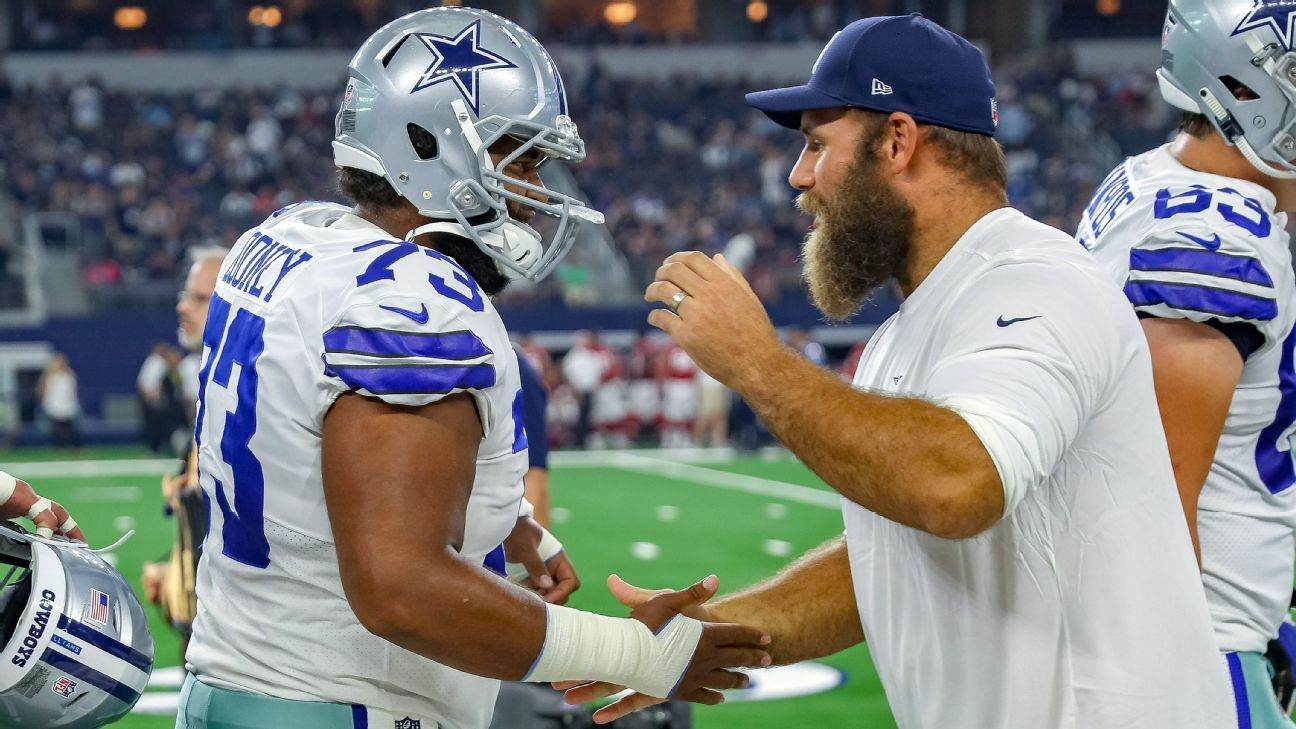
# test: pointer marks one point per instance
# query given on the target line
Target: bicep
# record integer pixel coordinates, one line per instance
(396, 482)
(1196, 370)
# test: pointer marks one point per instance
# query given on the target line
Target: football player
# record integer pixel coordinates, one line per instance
(359, 430)
(1193, 232)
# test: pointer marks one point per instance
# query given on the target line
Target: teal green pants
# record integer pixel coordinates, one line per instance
(204, 707)
(1252, 677)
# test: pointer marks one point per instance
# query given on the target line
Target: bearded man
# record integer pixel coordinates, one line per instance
(1013, 534)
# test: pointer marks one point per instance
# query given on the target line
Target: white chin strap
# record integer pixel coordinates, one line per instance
(518, 242)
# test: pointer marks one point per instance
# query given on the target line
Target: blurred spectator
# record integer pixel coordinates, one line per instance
(157, 384)
(57, 392)
(191, 310)
(583, 368)
(712, 425)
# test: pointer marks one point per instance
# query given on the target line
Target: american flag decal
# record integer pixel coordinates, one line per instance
(99, 605)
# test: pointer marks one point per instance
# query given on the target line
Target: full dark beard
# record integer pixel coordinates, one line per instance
(860, 240)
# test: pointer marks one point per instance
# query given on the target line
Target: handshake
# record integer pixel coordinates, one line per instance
(675, 651)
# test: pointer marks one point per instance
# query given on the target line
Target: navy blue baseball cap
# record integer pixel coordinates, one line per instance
(902, 63)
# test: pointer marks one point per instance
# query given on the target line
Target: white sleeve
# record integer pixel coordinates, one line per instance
(1025, 359)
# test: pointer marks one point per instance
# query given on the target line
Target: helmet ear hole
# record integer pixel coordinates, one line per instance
(1240, 91)
(424, 142)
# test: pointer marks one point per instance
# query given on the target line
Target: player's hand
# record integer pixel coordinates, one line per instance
(555, 579)
(152, 578)
(49, 516)
(721, 647)
(582, 692)
(721, 322)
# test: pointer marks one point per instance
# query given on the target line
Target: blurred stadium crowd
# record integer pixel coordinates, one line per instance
(151, 176)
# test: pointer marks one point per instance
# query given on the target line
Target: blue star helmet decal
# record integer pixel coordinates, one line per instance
(1276, 15)
(459, 60)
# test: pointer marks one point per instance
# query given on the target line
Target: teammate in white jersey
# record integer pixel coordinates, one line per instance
(1017, 550)
(359, 430)
(1192, 233)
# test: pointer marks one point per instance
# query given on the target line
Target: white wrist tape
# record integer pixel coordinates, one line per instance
(585, 646)
(8, 484)
(526, 509)
(549, 548)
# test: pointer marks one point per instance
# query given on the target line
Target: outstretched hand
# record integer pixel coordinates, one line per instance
(722, 646)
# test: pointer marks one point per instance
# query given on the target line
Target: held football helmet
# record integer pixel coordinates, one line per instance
(1233, 60)
(469, 78)
(77, 650)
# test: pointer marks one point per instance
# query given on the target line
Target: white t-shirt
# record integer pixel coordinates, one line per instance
(1191, 245)
(1082, 607)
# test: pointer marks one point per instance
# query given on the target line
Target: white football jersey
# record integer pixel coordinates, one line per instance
(314, 303)
(1190, 245)
(1082, 607)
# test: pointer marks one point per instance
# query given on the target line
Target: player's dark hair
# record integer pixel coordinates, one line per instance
(373, 191)
(1196, 125)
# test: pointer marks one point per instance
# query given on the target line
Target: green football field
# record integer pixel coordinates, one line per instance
(656, 520)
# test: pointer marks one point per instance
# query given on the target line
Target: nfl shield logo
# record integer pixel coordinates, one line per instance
(64, 687)
(408, 723)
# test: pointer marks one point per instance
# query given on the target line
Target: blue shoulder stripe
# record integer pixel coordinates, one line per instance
(1202, 261)
(456, 346)
(77, 669)
(1205, 299)
(105, 643)
(415, 379)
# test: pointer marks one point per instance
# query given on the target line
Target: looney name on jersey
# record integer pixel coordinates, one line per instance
(258, 255)
(36, 630)
(1112, 197)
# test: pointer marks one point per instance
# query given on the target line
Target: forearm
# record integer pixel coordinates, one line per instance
(808, 609)
(481, 625)
(903, 458)
(535, 485)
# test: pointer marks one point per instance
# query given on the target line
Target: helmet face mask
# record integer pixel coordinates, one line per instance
(497, 82)
(1234, 64)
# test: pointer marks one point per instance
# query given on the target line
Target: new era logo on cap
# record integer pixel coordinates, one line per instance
(880, 88)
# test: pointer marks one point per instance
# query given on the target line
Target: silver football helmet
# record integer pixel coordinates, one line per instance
(77, 650)
(469, 78)
(1213, 51)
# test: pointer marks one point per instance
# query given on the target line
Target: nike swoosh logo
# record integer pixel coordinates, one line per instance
(1210, 244)
(1009, 322)
(418, 317)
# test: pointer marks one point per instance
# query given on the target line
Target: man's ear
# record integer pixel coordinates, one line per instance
(900, 142)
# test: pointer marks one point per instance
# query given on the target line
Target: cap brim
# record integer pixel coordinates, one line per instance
(784, 106)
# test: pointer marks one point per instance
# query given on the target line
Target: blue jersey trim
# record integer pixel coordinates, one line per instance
(495, 561)
(359, 717)
(454, 346)
(77, 669)
(1204, 299)
(1201, 261)
(105, 643)
(415, 379)
(1239, 691)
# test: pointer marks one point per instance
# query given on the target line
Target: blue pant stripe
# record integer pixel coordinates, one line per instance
(359, 717)
(1239, 691)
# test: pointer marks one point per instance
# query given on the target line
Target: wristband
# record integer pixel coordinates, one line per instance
(549, 548)
(590, 647)
(8, 484)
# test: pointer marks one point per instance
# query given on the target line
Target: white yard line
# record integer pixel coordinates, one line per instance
(90, 469)
(635, 461)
